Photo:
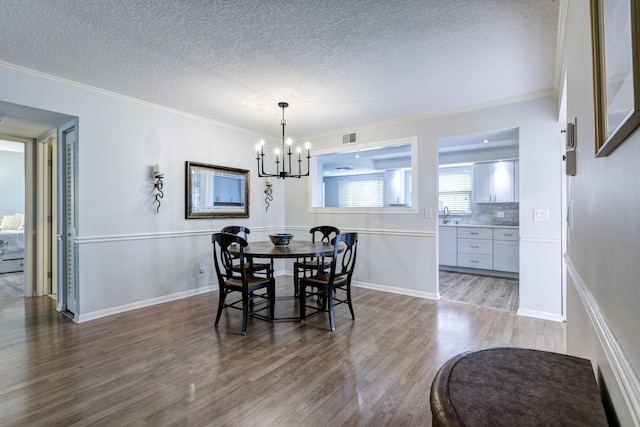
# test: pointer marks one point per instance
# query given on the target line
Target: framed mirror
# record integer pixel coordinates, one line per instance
(216, 191)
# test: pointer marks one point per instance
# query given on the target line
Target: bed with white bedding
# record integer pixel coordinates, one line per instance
(13, 259)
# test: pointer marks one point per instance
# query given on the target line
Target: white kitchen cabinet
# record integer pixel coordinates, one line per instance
(475, 247)
(506, 250)
(516, 180)
(448, 246)
(485, 248)
(494, 182)
(395, 187)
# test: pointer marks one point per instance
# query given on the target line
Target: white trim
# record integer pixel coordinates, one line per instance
(622, 368)
(442, 113)
(381, 232)
(394, 290)
(381, 288)
(549, 240)
(540, 315)
(140, 304)
(415, 187)
(198, 233)
(41, 75)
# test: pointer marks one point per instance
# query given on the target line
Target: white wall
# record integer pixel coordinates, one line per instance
(603, 255)
(128, 255)
(398, 252)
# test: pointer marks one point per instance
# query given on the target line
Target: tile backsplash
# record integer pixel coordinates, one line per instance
(487, 214)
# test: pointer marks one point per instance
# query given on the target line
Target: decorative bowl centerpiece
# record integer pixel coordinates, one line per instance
(281, 239)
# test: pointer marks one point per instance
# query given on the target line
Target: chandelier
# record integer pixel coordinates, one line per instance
(283, 155)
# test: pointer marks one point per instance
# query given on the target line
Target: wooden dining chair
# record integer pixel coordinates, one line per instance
(240, 280)
(324, 290)
(310, 266)
(244, 232)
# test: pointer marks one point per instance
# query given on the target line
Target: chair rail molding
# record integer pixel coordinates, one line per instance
(625, 374)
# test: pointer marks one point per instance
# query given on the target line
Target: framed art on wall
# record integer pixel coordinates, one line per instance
(616, 70)
(216, 191)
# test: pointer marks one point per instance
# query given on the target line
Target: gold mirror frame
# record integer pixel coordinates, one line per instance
(616, 80)
(216, 191)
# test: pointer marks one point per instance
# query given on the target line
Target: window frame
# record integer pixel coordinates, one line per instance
(316, 178)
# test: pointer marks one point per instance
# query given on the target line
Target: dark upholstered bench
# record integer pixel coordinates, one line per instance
(516, 387)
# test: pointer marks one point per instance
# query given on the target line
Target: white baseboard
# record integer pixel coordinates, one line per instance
(146, 303)
(394, 290)
(391, 289)
(540, 315)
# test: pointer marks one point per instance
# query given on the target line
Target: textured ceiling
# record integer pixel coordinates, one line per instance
(339, 63)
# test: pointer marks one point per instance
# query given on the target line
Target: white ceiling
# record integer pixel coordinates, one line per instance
(340, 64)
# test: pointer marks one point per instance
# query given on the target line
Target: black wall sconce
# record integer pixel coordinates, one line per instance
(269, 192)
(158, 176)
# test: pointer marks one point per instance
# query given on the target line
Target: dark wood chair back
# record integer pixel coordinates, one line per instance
(323, 233)
(241, 280)
(223, 258)
(236, 229)
(345, 248)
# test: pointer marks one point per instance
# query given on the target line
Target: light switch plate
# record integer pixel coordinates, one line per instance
(541, 214)
(428, 213)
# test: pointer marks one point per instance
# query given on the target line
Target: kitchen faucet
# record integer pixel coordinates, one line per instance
(445, 215)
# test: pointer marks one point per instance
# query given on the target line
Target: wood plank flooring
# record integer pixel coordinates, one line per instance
(485, 291)
(11, 285)
(167, 365)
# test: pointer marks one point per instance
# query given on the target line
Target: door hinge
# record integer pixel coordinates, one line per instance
(49, 275)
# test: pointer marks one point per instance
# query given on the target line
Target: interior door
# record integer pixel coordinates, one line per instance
(67, 263)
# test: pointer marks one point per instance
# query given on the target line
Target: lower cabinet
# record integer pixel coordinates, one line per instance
(506, 250)
(448, 242)
(475, 247)
(483, 248)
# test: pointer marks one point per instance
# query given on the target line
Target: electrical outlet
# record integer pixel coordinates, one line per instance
(500, 214)
(541, 214)
(201, 268)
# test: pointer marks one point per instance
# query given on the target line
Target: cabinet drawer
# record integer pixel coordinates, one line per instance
(476, 246)
(505, 234)
(475, 233)
(484, 261)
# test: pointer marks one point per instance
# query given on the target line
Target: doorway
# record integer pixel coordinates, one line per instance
(38, 131)
(12, 216)
(478, 218)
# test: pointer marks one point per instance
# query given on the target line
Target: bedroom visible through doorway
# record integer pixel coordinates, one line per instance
(12, 218)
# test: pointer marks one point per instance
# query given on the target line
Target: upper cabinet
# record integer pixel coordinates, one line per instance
(494, 182)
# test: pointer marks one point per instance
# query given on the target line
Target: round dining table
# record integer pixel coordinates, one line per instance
(295, 249)
(298, 250)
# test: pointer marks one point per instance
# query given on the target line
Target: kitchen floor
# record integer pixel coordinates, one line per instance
(484, 291)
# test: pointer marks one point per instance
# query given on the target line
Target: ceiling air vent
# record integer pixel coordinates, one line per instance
(349, 139)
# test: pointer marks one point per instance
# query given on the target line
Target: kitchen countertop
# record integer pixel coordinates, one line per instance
(478, 225)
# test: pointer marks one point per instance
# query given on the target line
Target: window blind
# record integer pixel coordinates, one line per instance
(361, 193)
(454, 189)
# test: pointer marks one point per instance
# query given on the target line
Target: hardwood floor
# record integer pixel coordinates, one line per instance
(168, 365)
(11, 285)
(485, 291)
